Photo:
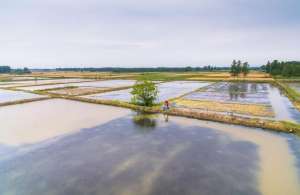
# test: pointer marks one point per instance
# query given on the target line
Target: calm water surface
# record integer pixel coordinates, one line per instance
(67, 147)
(166, 91)
(98, 84)
(255, 93)
(39, 82)
(11, 96)
(250, 93)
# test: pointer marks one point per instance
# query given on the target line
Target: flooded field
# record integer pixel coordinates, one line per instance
(11, 96)
(166, 90)
(246, 93)
(39, 82)
(105, 84)
(247, 98)
(78, 91)
(67, 147)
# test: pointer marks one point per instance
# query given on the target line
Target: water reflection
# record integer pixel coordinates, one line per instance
(112, 159)
(145, 120)
(236, 92)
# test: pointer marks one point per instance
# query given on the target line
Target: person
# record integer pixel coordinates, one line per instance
(166, 105)
(165, 109)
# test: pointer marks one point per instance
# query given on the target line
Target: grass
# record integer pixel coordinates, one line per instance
(247, 109)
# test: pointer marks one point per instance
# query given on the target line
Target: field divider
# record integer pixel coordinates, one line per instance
(268, 124)
(24, 101)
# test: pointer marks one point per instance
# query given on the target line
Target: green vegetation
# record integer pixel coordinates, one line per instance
(144, 93)
(7, 69)
(286, 69)
(237, 67)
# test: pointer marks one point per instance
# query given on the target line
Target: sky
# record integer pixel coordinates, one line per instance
(138, 33)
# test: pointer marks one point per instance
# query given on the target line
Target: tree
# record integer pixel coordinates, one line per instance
(239, 67)
(144, 93)
(287, 69)
(245, 68)
(5, 69)
(268, 67)
(233, 69)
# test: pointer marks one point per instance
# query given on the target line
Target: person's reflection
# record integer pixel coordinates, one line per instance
(166, 117)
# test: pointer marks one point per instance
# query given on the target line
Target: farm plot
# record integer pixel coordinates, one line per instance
(167, 91)
(7, 96)
(75, 91)
(105, 84)
(251, 99)
(39, 82)
(245, 93)
(239, 98)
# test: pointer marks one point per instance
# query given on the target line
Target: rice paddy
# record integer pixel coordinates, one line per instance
(39, 82)
(8, 96)
(167, 90)
(114, 151)
(93, 84)
(60, 146)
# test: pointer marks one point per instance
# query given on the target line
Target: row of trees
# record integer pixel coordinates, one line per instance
(290, 68)
(155, 69)
(237, 67)
(7, 69)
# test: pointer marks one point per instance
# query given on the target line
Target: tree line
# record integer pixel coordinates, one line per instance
(238, 67)
(289, 68)
(8, 69)
(156, 69)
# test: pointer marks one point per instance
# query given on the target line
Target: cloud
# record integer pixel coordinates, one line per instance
(54, 33)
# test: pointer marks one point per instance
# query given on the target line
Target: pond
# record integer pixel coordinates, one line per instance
(67, 147)
(166, 90)
(11, 96)
(98, 84)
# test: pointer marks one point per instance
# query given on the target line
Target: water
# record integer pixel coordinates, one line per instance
(98, 84)
(11, 96)
(282, 106)
(39, 82)
(166, 90)
(91, 149)
(255, 93)
(250, 93)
